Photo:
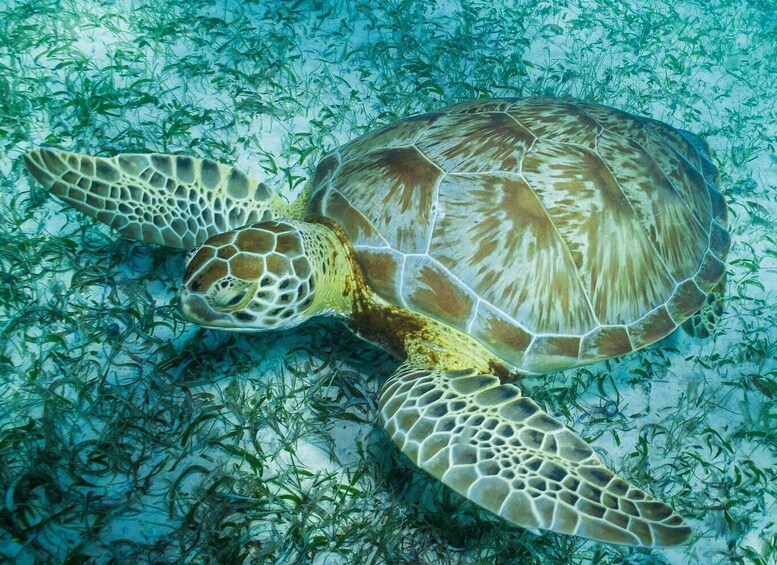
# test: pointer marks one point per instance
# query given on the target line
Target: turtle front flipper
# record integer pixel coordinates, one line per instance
(500, 450)
(170, 200)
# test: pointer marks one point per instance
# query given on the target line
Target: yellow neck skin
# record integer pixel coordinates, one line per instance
(408, 335)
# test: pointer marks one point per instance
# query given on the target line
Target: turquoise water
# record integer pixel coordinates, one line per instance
(128, 435)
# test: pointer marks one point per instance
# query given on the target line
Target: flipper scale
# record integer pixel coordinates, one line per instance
(169, 200)
(503, 452)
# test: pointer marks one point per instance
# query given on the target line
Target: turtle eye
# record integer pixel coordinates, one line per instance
(237, 298)
(228, 298)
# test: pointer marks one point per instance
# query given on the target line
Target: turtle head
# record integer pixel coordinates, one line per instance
(258, 277)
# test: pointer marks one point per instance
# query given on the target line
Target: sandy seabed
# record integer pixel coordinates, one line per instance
(127, 435)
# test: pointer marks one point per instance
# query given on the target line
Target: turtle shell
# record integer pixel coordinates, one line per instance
(557, 233)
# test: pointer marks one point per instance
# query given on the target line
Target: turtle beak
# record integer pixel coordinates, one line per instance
(184, 304)
(194, 308)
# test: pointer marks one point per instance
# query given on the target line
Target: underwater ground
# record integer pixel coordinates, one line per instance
(128, 435)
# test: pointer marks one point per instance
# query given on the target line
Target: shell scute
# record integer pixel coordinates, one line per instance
(494, 224)
(564, 122)
(548, 353)
(473, 143)
(500, 333)
(385, 268)
(399, 134)
(675, 232)
(686, 300)
(605, 342)
(435, 292)
(651, 327)
(394, 188)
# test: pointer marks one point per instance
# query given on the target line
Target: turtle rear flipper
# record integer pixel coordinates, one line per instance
(502, 451)
(170, 200)
(703, 322)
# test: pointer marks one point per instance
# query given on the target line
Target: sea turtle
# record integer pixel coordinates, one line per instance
(479, 243)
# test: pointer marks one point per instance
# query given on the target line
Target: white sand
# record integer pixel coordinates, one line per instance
(708, 67)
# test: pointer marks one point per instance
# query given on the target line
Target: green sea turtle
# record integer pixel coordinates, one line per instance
(479, 243)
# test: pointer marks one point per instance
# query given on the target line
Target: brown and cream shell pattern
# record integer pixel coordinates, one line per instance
(558, 233)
